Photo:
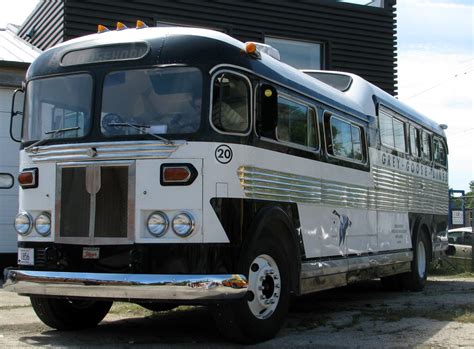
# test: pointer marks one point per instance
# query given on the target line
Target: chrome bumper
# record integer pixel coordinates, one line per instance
(126, 286)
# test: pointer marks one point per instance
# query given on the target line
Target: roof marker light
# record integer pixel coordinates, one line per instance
(121, 26)
(102, 29)
(141, 24)
(250, 48)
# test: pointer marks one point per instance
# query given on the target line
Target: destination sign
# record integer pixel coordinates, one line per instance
(120, 52)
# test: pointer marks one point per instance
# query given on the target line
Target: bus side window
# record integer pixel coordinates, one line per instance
(231, 103)
(414, 141)
(345, 139)
(296, 123)
(439, 152)
(425, 146)
(392, 132)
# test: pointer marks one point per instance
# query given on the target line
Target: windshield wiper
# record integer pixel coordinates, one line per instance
(140, 128)
(51, 134)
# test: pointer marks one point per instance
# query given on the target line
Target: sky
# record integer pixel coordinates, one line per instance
(435, 69)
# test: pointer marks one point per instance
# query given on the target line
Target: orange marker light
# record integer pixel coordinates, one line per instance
(176, 174)
(121, 26)
(250, 48)
(102, 29)
(141, 24)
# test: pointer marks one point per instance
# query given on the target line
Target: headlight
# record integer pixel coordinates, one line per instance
(157, 224)
(43, 224)
(183, 224)
(23, 223)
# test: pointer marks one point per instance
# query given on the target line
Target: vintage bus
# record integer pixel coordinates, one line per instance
(168, 166)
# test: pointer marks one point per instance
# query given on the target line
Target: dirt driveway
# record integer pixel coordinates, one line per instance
(361, 316)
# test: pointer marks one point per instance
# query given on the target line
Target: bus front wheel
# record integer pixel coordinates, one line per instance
(262, 313)
(68, 314)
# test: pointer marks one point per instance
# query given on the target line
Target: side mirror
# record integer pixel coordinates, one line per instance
(16, 116)
(267, 122)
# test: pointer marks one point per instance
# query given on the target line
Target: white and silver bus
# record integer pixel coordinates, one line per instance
(167, 166)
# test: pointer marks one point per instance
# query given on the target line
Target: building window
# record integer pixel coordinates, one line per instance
(296, 123)
(299, 54)
(6, 181)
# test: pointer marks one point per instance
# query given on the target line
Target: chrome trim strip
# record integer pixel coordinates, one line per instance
(104, 151)
(323, 275)
(127, 286)
(329, 267)
(393, 191)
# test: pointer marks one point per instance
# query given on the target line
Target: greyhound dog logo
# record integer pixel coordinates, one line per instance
(344, 223)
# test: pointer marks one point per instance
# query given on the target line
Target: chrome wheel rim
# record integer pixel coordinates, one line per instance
(421, 259)
(264, 283)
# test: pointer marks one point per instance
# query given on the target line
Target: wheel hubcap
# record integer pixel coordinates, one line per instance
(264, 283)
(421, 260)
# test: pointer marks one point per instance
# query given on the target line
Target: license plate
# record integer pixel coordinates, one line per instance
(26, 256)
(90, 252)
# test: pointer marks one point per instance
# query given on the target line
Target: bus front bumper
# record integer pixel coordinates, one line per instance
(128, 287)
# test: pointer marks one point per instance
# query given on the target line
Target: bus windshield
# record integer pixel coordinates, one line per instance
(157, 101)
(58, 103)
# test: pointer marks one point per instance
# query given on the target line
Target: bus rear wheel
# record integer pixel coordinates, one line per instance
(415, 280)
(260, 315)
(68, 314)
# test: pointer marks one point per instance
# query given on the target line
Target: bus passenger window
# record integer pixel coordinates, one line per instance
(439, 152)
(425, 146)
(346, 140)
(392, 132)
(414, 142)
(230, 103)
(296, 123)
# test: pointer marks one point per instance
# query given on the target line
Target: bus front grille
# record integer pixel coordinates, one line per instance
(95, 204)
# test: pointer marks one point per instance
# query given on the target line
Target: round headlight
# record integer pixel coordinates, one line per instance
(157, 224)
(183, 224)
(43, 224)
(23, 223)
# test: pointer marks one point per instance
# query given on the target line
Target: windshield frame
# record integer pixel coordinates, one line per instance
(89, 108)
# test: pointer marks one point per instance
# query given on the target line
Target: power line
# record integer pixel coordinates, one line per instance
(438, 84)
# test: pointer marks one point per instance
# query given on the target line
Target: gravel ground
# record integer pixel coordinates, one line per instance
(358, 316)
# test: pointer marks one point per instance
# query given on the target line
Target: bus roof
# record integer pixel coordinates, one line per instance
(215, 49)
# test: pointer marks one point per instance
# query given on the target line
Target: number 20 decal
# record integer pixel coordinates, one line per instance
(223, 154)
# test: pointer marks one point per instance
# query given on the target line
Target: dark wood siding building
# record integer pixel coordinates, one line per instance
(354, 38)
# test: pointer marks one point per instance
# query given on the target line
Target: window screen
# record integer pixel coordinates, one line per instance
(230, 103)
(296, 123)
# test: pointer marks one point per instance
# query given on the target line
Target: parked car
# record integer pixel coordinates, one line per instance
(460, 246)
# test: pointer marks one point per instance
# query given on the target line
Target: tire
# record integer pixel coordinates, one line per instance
(65, 314)
(260, 316)
(415, 280)
(157, 307)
